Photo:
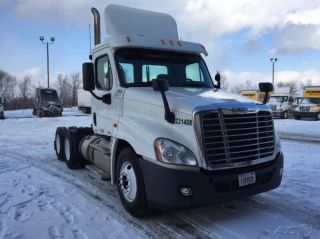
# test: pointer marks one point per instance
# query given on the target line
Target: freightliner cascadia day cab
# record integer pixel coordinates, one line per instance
(309, 106)
(162, 130)
(47, 103)
(280, 102)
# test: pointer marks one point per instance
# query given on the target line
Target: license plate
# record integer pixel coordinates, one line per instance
(246, 179)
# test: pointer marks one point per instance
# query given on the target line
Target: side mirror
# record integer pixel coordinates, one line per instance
(88, 76)
(106, 99)
(265, 87)
(160, 85)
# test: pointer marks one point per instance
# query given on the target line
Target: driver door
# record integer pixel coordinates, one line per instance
(103, 113)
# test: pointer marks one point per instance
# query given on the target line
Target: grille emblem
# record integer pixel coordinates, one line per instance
(242, 110)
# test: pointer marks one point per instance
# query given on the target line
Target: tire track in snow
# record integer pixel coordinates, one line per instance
(159, 225)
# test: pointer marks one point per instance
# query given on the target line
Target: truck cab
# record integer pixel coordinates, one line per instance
(309, 106)
(162, 130)
(1, 106)
(281, 102)
(47, 103)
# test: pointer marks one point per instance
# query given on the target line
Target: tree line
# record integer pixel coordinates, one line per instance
(20, 93)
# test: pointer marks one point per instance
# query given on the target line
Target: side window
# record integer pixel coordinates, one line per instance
(193, 73)
(104, 73)
(150, 72)
(126, 71)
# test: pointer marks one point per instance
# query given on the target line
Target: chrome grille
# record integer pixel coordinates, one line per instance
(235, 138)
(305, 108)
(273, 107)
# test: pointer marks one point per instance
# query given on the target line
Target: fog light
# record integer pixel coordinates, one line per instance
(185, 191)
(281, 171)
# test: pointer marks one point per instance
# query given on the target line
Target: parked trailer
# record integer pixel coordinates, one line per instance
(84, 101)
(309, 106)
(253, 94)
(186, 145)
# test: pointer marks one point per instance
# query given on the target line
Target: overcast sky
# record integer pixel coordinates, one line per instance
(240, 35)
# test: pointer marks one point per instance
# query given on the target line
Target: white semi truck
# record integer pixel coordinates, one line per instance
(309, 106)
(164, 132)
(280, 102)
(1, 105)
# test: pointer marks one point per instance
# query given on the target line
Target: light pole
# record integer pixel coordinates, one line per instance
(47, 43)
(273, 61)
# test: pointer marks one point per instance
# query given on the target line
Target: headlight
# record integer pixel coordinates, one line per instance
(314, 109)
(168, 151)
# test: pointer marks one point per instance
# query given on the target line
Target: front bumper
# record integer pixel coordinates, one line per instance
(208, 187)
(306, 114)
(278, 114)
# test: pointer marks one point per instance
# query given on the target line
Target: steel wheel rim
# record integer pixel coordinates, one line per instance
(67, 150)
(128, 182)
(58, 144)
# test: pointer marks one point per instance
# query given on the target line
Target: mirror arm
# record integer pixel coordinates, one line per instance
(168, 115)
(95, 96)
(266, 96)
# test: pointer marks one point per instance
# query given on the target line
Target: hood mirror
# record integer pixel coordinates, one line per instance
(266, 88)
(162, 86)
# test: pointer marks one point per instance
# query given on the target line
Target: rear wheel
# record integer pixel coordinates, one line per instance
(297, 117)
(71, 154)
(130, 183)
(58, 143)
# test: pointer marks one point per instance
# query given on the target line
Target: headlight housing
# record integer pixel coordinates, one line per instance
(168, 151)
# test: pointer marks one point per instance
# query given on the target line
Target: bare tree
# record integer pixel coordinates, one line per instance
(7, 83)
(224, 82)
(75, 81)
(247, 85)
(293, 86)
(25, 88)
(64, 89)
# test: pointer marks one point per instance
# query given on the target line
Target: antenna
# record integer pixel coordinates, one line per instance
(89, 39)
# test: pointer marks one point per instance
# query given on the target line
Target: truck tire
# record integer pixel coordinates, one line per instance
(317, 117)
(58, 143)
(130, 183)
(285, 114)
(71, 153)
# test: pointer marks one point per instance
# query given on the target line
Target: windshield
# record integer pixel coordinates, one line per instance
(49, 95)
(315, 101)
(138, 68)
(275, 99)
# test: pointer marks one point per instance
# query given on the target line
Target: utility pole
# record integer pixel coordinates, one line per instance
(273, 61)
(47, 43)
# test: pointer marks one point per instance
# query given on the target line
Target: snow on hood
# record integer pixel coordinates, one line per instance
(184, 99)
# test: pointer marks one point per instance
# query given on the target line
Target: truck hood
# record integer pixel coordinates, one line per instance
(184, 99)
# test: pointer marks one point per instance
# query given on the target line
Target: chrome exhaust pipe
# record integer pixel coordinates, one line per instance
(97, 30)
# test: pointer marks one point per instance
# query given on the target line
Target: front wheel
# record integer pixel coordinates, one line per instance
(317, 117)
(285, 115)
(130, 183)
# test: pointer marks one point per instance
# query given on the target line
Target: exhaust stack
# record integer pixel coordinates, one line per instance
(97, 29)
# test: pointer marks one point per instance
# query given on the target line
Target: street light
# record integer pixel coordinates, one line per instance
(52, 39)
(273, 60)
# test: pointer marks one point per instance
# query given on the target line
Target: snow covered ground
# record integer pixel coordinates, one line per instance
(41, 198)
